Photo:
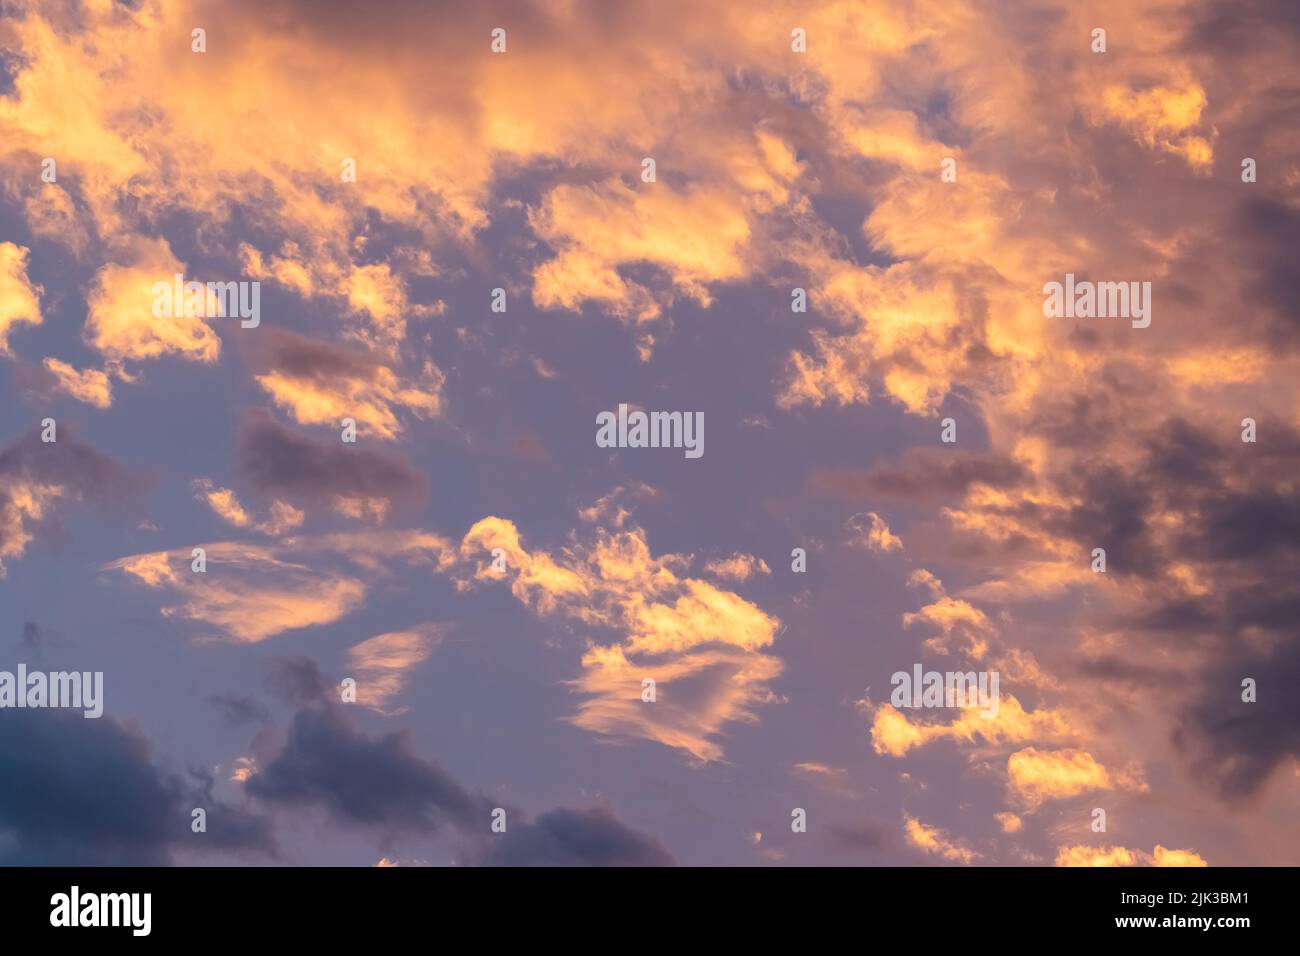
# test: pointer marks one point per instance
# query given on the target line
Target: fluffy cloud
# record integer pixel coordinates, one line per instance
(120, 321)
(20, 300)
(358, 482)
(1036, 775)
(1121, 856)
(225, 504)
(90, 386)
(894, 734)
(321, 384)
(92, 795)
(703, 646)
(935, 841)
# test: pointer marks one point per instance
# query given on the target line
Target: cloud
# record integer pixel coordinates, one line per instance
(894, 734)
(703, 646)
(362, 780)
(381, 783)
(247, 592)
(738, 567)
(381, 662)
(1009, 822)
(1036, 775)
(319, 383)
(120, 320)
(239, 709)
(91, 795)
(40, 477)
(20, 299)
(225, 504)
(572, 837)
(923, 300)
(871, 532)
(252, 592)
(358, 482)
(90, 386)
(925, 474)
(696, 236)
(935, 841)
(1121, 856)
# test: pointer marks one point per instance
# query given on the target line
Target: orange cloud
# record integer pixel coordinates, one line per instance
(702, 645)
(382, 662)
(892, 733)
(20, 299)
(90, 386)
(1120, 856)
(120, 320)
(934, 840)
(1036, 776)
(738, 567)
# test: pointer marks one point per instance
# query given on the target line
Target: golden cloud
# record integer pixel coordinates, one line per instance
(934, 840)
(1036, 776)
(381, 663)
(701, 645)
(20, 299)
(1121, 856)
(90, 386)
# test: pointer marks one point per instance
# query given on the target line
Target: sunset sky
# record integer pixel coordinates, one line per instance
(797, 145)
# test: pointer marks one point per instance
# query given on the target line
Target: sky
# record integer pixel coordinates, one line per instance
(837, 259)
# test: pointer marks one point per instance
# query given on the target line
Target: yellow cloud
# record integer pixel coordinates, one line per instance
(1162, 117)
(933, 840)
(120, 320)
(697, 236)
(222, 501)
(246, 592)
(90, 386)
(20, 299)
(23, 501)
(700, 644)
(283, 516)
(892, 733)
(738, 567)
(872, 533)
(1120, 856)
(371, 397)
(1096, 856)
(1036, 776)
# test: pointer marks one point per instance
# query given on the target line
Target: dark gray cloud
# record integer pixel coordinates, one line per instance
(1237, 518)
(1234, 26)
(283, 463)
(302, 357)
(924, 474)
(1273, 234)
(379, 782)
(239, 709)
(871, 835)
(569, 837)
(1235, 744)
(81, 792)
(297, 680)
(362, 780)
